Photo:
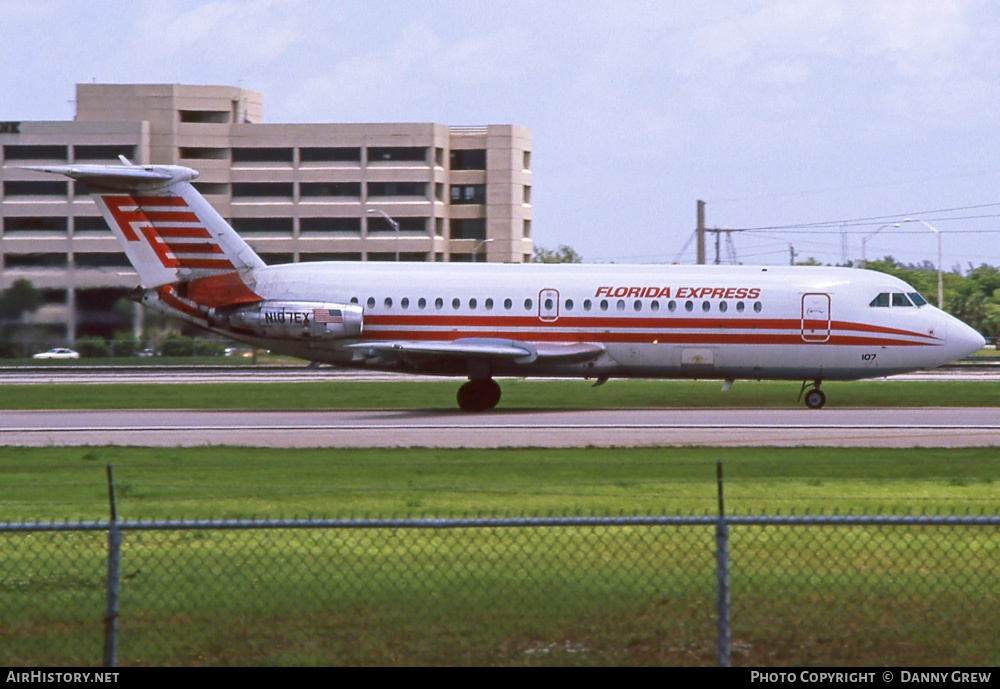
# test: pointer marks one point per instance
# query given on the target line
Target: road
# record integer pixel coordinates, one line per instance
(914, 427)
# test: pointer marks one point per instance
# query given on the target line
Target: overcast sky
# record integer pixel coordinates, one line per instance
(822, 119)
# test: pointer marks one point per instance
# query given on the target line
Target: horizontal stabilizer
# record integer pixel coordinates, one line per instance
(121, 177)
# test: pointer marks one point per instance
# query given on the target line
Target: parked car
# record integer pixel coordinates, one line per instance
(147, 352)
(58, 353)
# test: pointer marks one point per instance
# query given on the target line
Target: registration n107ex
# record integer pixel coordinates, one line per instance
(480, 321)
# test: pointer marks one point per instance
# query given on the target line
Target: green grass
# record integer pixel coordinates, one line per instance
(226, 482)
(517, 394)
(847, 596)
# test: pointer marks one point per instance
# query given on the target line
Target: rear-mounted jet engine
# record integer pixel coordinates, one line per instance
(294, 320)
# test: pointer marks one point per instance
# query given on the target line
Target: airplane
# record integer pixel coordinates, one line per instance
(483, 321)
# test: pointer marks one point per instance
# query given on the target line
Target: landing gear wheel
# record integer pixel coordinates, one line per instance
(815, 399)
(478, 395)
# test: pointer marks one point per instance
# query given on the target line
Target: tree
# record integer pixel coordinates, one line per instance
(18, 299)
(564, 254)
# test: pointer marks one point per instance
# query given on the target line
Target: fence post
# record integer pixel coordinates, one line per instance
(722, 576)
(112, 583)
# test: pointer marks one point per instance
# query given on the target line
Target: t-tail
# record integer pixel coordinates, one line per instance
(169, 232)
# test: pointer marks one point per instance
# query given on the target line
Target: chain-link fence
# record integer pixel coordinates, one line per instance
(760, 591)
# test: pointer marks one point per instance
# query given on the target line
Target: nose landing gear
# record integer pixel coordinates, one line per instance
(478, 395)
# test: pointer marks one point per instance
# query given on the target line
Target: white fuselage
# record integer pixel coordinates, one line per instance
(647, 321)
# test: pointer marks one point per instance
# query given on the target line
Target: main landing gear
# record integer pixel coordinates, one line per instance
(478, 395)
(814, 399)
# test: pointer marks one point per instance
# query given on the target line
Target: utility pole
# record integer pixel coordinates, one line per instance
(701, 233)
(791, 255)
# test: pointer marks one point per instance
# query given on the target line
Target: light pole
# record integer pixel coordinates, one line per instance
(940, 276)
(864, 241)
(388, 219)
(475, 249)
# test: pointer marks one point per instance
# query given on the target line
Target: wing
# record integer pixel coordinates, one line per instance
(479, 348)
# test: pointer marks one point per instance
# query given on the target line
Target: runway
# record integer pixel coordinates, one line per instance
(914, 427)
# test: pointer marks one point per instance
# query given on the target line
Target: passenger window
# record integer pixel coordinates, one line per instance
(740, 306)
(388, 302)
(689, 305)
(548, 304)
(507, 304)
(637, 305)
(421, 303)
(488, 304)
(354, 300)
(706, 306)
(371, 302)
(586, 305)
(655, 306)
(899, 299)
(456, 302)
(757, 307)
(569, 304)
(473, 304)
(439, 303)
(880, 300)
(620, 305)
(404, 302)
(527, 304)
(671, 306)
(723, 306)
(604, 304)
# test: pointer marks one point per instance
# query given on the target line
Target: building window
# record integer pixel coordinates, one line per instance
(330, 154)
(204, 116)
(397, 154)
(194, 153)
(17, 152)
(12, 188)
(380, 224)
(108, 152)
(330, 225)
(526, 229)
(268, 189)
(473, 159)
(526, 164)
(313, 189)
(471, 228)
(464, 194)
(36, 260)
(89, 223)
(102, 259)
(35, 224)
(262, 155)
(279, 225)
(527, 195)
(397, 189)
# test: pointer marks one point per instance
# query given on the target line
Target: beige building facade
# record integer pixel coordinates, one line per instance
(295, 192)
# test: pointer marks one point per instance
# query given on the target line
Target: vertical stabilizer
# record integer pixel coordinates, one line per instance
(168, 230)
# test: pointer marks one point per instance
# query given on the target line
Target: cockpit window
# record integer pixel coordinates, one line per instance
(899, 299)
(917, 299)
(880, 300)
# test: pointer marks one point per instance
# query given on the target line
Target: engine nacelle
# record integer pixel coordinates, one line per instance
(296, 320)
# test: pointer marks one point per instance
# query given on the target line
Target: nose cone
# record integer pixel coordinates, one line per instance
(963, 340)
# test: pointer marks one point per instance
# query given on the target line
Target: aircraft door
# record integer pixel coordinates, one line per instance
(815, 317)
(548, 305)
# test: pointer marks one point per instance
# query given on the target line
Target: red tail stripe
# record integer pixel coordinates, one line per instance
(171, 216)
(183, 232)
(193, 248)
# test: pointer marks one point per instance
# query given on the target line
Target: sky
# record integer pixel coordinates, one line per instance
(808, 125)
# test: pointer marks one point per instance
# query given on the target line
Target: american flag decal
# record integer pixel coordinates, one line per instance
(327, 316)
